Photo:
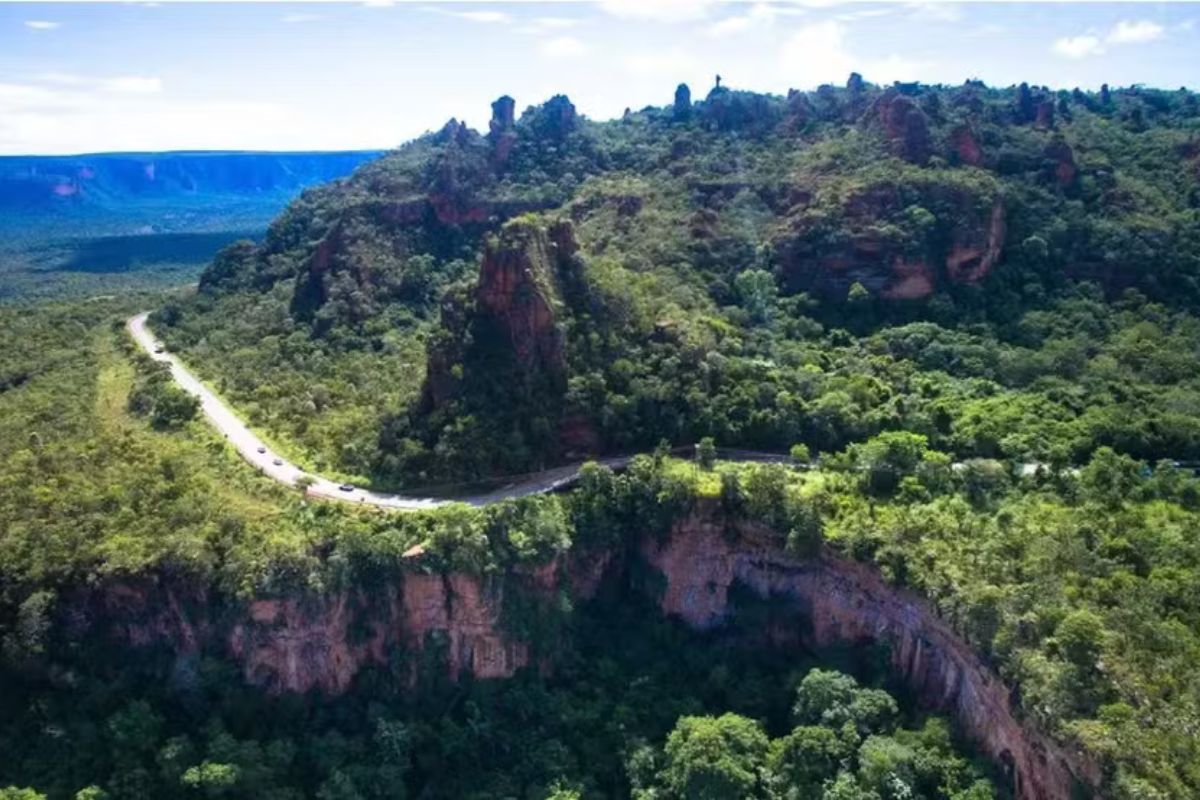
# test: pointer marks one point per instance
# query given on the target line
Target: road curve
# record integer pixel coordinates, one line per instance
(261, 457)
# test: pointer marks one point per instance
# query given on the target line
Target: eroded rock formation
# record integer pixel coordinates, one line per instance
(904, 125)
(969, 243)
(501, 129)
(518, 290)
(516, 301)
(966, 146)
(845, 602)
(322, 642)
(1060, 159)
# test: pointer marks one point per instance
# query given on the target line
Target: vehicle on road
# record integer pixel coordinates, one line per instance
(158, 348)
(345, 487)
(277, 462)
(262, 449)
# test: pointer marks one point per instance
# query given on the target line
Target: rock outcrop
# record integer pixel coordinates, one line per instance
(903, 124)
(518, 290)
(966, 147)
(838, 602)
(552, 121)
(968, 244)
(502, 131)
(799, 110)
(681, 110)
(321, 643)
(1060, 162)
(516, 302)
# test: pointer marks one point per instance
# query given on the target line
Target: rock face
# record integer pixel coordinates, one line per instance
(904, 125)
(516, 302)
(1060, 161)
(969, 244)
(321, 643)
(971, 256)
(554, 120)
(501, 130)
(518, 291)
(682, 109)
(966, 147)
(799, 110)
(844, 602)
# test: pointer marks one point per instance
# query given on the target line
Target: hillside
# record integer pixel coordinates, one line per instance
(969, 314)
(104, 221)
(760, 269)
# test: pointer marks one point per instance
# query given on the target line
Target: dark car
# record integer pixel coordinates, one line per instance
(345, 487)
(262, 449)
(277, 462)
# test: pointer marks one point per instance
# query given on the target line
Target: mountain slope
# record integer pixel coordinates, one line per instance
(723, 248)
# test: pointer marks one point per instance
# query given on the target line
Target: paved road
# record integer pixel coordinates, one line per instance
(260, 456)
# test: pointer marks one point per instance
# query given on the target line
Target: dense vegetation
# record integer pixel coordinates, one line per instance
(1011, 275)
(996, 411)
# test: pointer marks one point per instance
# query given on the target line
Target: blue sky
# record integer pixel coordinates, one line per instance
(153, 76)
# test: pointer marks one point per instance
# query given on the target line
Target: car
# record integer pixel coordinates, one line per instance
(277, 462)
(345, 487)
(261, 449)
(158, 348)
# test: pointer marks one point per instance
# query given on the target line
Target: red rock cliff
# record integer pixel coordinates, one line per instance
(842, 601)
(323, 642)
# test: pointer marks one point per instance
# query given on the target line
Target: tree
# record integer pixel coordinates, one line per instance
(804, 759)
(706, 453)
(834, 699)
(16, 793)
(887, 458)
(1080, 636)
(800, 455)
(714, 758)
(1110, 477)
(757, 293)
(212, 779)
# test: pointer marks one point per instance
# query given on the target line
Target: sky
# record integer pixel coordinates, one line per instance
(97, 77)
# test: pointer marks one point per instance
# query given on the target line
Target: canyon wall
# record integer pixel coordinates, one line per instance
(841, 601)
(321, 642)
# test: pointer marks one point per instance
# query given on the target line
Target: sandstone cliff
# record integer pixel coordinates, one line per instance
(876, 243)
(299, 644)
(514, 311)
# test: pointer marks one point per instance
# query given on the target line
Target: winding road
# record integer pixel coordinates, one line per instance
(275, 466)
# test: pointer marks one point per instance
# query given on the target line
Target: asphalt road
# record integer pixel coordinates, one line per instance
(260, 456)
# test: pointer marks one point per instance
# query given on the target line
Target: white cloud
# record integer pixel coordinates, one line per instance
(563, 47)
(132, 84)
(818, 53)
(116, 84)
(939, 12)
(865, 13)
(658, 10)
(489, 17)
(1078, 46)
(668, 64)
(1123, 33)
(1139, 32)
(300, 17)
(41, 24)
(544, 25)
(554, 23)
(759, 14)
